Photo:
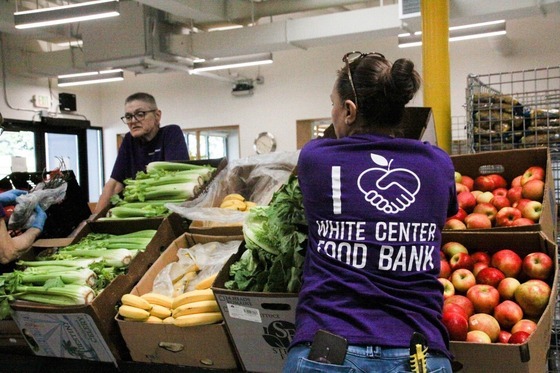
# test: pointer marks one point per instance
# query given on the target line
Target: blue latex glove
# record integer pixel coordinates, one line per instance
(40, 218)
(9, 197)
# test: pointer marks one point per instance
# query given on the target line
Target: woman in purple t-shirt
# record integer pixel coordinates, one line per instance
(375, 204)
(145, 142)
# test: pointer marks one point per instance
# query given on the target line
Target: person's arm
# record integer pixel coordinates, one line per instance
(111, 188)
(11, 248)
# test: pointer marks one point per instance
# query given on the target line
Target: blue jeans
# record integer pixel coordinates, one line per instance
(364, 359)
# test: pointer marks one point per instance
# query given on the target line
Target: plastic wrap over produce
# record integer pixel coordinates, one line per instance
(256, 178)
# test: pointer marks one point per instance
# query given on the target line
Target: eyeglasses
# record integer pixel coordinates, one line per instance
(138, 116)
(352, 57)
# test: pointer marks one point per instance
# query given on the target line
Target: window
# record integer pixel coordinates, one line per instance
(213, 143)
(17, 152)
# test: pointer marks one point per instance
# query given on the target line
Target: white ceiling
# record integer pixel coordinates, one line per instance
(159, 35)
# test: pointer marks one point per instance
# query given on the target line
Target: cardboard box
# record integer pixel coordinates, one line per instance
(528, 357)
(91, 332)
(261, 325)
(205, 346)
(512, 163)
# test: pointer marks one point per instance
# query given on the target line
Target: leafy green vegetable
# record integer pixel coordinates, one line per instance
(275, 238)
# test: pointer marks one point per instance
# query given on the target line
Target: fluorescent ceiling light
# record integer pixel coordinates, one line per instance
(66, 14)
(231, 62)
(456, 33)
(92, 77)
(224, 28)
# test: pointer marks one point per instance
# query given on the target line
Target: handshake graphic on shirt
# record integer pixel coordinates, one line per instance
(382, 189)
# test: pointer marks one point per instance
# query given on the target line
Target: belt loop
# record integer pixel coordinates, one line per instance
(376, 351)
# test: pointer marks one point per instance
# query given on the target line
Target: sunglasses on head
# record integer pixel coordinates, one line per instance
(352, 57)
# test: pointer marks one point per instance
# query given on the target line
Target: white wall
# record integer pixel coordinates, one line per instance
(297, 86)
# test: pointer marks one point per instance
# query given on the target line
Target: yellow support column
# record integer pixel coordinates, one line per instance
(435, 62)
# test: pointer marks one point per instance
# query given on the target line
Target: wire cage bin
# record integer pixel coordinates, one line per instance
(510, 110)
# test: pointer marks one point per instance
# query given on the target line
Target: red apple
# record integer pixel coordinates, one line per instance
(455, 224)
(507, 288)
(516, 181)
(537, 265)
(490, 276)
(525, 325)
(468, 181)
(506, 216)
(484, 183)
(466, 201)
(486, 208)
(522, 202)
(533, 190)
(532, 296)
(454, 307)
(460, 215)
(499, 181)
(456, 324)
(462, 301)
(532, 173)
(519, 337)
(444, 269)
(462, 279)
(476, 220)
(500, 202)
(483, 297)
(484, 197)
(452, 247)
(461, 188)
(461, 260)
(501, 191)
(485, 323)
(508, 313)
(532, 210)
(503, 336)
(481, 256)
(520, 222)
(507, 261)
(514, 194)
(448, 288)
(478, 336)
(478, 266)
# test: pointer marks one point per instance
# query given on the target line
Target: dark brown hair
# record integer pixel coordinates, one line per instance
(383, 89)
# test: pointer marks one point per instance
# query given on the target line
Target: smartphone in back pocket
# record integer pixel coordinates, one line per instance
(328, 348)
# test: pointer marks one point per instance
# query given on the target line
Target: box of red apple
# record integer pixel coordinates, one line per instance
(509, 190)
(500, 290)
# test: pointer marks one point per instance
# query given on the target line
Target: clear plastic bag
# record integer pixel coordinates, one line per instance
(256, 178)
(24, 212)
(208, 258)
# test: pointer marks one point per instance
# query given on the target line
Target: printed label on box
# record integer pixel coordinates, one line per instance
(73, 336)
(244, 313)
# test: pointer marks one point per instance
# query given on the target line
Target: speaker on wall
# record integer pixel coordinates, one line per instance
(67, 101)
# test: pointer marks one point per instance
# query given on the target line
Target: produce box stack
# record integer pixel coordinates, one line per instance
(174, 304)
(499, 269)
(257, 288)
(87, 330)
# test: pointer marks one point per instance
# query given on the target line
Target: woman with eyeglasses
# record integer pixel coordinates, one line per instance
(375, 204)
(146, 142)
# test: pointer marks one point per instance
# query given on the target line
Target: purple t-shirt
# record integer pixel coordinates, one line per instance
(168, 145)
(375, 206)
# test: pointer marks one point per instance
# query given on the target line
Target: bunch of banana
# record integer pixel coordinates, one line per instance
(235, 201)
(195, 307)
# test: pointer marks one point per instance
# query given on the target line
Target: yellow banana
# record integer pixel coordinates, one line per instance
(196, 307)
(198, 319)
(154, 320)
(159, 299)
(233, 204)
(130, 312)
(206, 283)
(135, 301)
(193, 296)
(249, 205)
(235, 196)
(169, 320)
(160, 311)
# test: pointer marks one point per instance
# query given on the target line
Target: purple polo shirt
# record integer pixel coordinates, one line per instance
(168, 145)
(375, 206)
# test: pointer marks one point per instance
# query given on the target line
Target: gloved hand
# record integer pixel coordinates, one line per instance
(9, 197)
(40, 218)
